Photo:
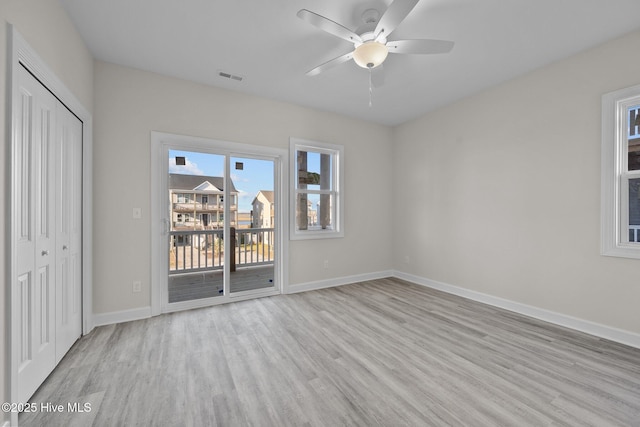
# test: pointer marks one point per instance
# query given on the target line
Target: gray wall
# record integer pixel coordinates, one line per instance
(132, 103)
(501, 191)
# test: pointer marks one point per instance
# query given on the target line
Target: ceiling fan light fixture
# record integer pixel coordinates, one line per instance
(370, 54)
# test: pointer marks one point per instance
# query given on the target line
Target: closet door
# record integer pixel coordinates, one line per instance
(68, 230)
(33, 293)
(46, 222)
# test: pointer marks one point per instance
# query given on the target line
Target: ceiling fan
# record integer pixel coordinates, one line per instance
(370, 40)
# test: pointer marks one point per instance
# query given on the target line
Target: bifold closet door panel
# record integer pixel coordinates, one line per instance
(33, 293)
(68, 231)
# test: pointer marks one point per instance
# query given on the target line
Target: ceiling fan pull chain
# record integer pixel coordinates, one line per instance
(370, 88)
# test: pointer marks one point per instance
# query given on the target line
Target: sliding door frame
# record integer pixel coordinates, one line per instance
(161, 143)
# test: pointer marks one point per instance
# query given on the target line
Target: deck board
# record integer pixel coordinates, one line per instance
(190, 286)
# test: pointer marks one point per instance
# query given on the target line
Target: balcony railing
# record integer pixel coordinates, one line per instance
(203, 250)
(254, 246)
(199, 225)
(197, 206)
(634, 233)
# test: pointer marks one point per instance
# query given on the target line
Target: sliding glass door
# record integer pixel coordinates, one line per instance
(197, 223)
(220, 214)
(253, 234)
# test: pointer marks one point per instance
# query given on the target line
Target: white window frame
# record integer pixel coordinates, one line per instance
(337, 191)
(615, 175)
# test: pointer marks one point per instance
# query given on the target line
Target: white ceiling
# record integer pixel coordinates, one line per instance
(272, 49)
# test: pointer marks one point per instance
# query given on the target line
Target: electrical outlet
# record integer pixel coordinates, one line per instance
(326, 263)
(137, 213)
(137, 286)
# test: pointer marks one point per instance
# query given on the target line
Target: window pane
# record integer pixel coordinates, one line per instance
(315, 216)
(634, 138)
(315, 170)
(634, 210)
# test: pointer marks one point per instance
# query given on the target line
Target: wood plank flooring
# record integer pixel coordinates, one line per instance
(382, 352)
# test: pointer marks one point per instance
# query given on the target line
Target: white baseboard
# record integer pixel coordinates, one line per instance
(339, 281)
(101, 319)
(618, 335)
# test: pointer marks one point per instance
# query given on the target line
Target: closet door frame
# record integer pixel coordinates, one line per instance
(21, 54)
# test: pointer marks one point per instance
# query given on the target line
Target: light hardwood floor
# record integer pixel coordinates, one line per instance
(382, 352)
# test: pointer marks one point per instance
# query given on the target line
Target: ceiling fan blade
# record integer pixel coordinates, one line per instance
(377, 76)
(329, 26)
(330, 64)
(420, 46)
(394, 15)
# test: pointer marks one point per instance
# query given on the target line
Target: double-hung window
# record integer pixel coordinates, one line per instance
(621, 173)
(316, 190)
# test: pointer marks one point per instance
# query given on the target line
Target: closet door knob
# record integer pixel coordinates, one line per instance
(64, 247)
(45, 253)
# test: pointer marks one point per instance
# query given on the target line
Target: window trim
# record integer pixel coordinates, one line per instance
(614, 231)
(337, 152)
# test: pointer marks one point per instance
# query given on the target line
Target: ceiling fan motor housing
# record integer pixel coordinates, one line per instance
(366, 31)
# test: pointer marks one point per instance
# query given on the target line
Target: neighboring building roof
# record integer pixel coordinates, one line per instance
(267, 195)
(192, 182)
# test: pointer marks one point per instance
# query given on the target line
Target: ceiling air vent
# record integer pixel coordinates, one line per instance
(230, 76)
